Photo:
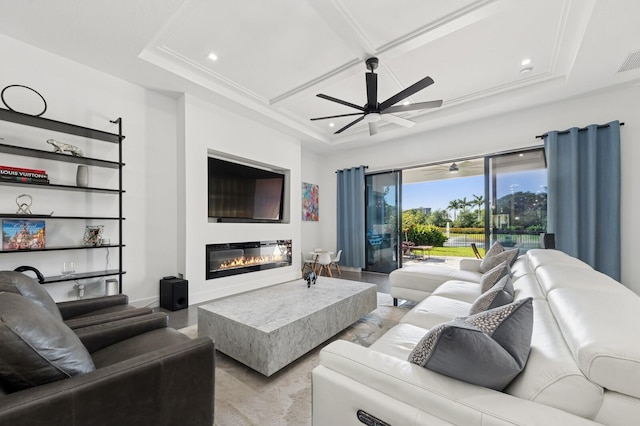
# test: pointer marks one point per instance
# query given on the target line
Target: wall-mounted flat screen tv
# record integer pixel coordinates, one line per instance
(242, 193)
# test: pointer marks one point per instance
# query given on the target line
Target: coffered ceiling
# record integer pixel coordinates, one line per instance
(275, 56)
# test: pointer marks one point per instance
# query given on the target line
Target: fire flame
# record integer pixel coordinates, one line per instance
(248, 261)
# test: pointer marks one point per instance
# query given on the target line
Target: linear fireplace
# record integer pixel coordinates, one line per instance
(228, 259)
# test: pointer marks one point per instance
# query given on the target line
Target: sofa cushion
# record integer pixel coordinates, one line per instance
(415, 282)
(463, 291)
(498, 295)
(37, 347)
(488, 349)
(19, 283)
(490, 262)
(435, 310)
(493, 275)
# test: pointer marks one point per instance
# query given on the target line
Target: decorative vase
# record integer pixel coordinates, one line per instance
(82, 176)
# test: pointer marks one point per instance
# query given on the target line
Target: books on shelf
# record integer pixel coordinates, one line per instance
(20, 234)
(24, 175)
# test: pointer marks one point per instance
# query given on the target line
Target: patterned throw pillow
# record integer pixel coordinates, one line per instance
(493, 275)
(500, 294)
(490, 262)
(487, 349)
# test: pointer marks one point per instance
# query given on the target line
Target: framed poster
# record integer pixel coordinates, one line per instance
(310, 200)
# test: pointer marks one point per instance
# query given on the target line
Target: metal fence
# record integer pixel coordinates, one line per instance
(522, 240)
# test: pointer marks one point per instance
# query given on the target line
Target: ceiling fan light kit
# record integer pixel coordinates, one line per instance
(373, 112)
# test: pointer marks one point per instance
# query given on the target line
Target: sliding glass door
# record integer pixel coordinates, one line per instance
(382, 220)
(517, 186)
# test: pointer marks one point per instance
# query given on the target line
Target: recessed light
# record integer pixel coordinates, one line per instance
(525, 62)
(212, 56)
(332, 124)
(406, 103)
(521, 155)
(526, 70)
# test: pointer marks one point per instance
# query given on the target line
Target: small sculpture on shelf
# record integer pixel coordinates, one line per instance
(311, 278)
(24, 206)
(60, 147)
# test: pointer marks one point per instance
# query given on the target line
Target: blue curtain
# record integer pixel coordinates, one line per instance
(351, 231)
(583, 169)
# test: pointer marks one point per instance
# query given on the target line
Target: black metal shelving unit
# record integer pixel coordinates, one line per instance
(71, 129)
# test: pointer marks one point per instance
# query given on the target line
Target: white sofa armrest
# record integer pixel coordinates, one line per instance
(468, 264)
(345, 367)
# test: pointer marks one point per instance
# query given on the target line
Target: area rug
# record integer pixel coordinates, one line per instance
(245, 397)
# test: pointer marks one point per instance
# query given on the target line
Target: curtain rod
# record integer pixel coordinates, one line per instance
(366, 167)
(601, 126)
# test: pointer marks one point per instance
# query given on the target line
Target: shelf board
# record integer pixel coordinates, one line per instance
(81, 276)
(47, 216)
(58, 126)
(62, 187)
(50, 155)
(58, 248)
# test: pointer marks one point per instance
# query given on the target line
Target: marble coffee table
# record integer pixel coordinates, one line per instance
(267, 329)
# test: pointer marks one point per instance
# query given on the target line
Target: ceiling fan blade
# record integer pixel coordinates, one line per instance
(350, 124)
(349, 104)
(425, 82)
(373, 129)
(397, 120)
(372, 90)
(413, 107)
(336, 116)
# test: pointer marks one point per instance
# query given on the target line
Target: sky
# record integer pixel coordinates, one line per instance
(437, 194)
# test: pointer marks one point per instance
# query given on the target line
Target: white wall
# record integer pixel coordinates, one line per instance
(209, 127)
(84, 96)
(509, 132)
(312, 231)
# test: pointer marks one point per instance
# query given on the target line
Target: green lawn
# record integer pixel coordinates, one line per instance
(451, 251)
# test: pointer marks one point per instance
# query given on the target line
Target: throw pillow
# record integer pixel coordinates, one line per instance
(500, 294)
(37, 348)
(493, 275)
(496, 248)
(490, 262)
(17, 282)
(487, 349)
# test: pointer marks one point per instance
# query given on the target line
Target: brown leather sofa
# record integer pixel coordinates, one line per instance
(75, 313)
(132, 371)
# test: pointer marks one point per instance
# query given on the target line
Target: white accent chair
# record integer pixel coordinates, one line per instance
(308, 262)
(335, 261)
(324, 263)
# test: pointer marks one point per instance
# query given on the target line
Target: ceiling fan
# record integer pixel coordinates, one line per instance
(372, 111)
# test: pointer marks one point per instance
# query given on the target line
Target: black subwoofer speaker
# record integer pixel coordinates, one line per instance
(174, 293)
(547, 241)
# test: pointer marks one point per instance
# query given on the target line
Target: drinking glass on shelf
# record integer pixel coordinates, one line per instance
(68, 268)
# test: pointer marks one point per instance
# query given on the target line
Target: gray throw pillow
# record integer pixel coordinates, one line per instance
(493, 275)
(496, 248)
(487, 349)
(19, 283)
(37, 348)
(500, 294)
(490, 262)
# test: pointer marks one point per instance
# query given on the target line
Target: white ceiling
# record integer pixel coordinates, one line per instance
(275, 56)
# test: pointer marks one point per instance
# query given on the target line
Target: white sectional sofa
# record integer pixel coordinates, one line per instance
(583, 366)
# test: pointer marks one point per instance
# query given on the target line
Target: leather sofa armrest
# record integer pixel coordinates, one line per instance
(106, 317)
(345, 366)
(145, 390)
(73, 308)
(472, 265)
(100, 336)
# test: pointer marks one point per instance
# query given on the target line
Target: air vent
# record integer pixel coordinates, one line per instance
(632, 62)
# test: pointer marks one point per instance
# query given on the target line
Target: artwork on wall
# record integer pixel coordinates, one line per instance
(310, 201)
